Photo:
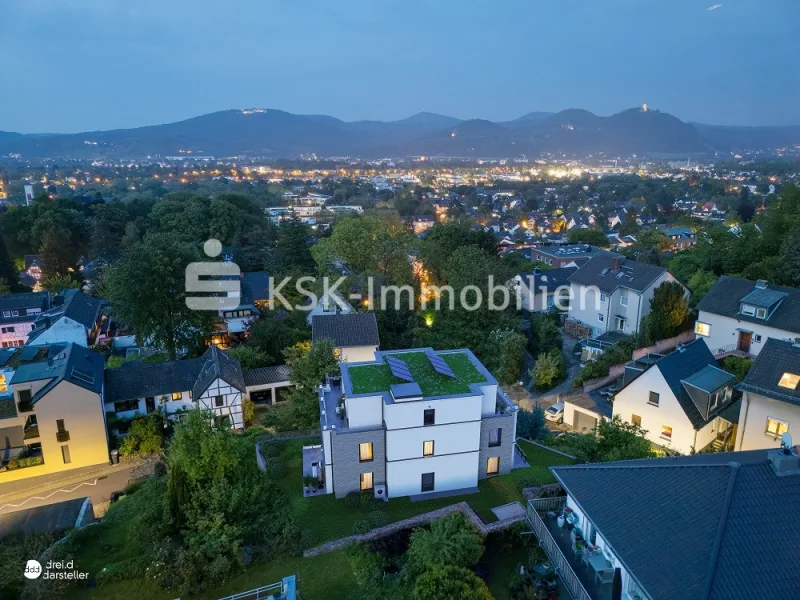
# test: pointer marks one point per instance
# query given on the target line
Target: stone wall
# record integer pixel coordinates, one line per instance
(347, 468)
(416, 521)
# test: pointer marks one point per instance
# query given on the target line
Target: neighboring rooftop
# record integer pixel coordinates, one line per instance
(19, 302)
(61, 362)
(255, 288)
(346, 330)
(267, 375)
(716, 527)
(540, 280)
(368, 378)
(728, 294)
(572, 251)
(776, 359)
(73, 305)
(609, 273)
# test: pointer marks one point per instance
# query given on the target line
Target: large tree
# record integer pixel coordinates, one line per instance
(451, 583)
(147, 289)
(451, 541)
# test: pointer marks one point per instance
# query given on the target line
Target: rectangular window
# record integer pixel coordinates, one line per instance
(602, 298)
(126, 406)
(600, 317)
(177, 395)
(219, 401)
(495, 437)
(427, 448)
(703, 329)
(623, 300)
(493, 465)
(6, 313)
(427, 482)
(60, 425)
(789, 381)
(3, 384)
(429, 417)
(761, 313)
(712, 404)
(65, 455)
(14, 313)
(366, 481)
(776, 427)
(365, 452)
(748, 310)
(654, 398)
(636, 420)
(666, 432)
(757, 338)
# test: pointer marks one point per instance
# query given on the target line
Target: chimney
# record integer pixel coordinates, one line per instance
(615, 264)
(761, 284)
(784, 462)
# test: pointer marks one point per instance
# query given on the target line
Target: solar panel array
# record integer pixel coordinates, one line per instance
(399, 368)
(29, 353)
(440, 366)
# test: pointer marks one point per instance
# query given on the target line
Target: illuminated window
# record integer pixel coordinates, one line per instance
(666, 432)
(789, 381)
(427, 448)
(776, 427)
(703, 329)
(493, 465)
(761, 313)
(365, 452)
(366, 481)
(3, 385)
(177, 395)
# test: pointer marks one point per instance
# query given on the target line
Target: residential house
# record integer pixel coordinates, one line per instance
(705, 527)
(354, 335)
(540, 291)
(33, 274)
(17, 315)
(74, 317)
(740, 315)
(253, 295)
(53, 415)
(681, 238)
(567, 255)
(414, 423)
(329, 304)
(612, 293)
(683, 400)
(214, 382)
(770, 397)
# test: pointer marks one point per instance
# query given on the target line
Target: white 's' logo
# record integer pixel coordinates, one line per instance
(33, 569)
(221, 279)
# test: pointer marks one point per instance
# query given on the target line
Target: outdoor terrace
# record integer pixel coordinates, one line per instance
(578, 578)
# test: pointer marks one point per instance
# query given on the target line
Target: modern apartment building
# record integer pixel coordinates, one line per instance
(414, 422)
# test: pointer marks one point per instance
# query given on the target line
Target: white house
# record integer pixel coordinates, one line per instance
(539, 290)
(414, 422)
(706, 527)
(17, 314)
(740, 315)
(74, 318)
(683, 400)
(611, 293)
(354, 335)
(329, 304)
(770, 397)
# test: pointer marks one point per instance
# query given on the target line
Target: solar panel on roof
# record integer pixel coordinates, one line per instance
(29, 352)
(440, 366)
(5, 355)
(83, 376)
(399, 368)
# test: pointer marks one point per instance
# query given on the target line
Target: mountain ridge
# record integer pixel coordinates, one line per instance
(273, 133)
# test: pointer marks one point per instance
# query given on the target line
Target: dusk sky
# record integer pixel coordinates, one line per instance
(77, 65)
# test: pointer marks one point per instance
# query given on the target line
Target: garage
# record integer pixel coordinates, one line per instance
(583, 423)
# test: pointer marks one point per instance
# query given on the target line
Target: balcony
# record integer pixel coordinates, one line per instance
(579, 580)
(31, 432)
(62, 436)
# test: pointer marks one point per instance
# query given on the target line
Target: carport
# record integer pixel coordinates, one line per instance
(267, 384)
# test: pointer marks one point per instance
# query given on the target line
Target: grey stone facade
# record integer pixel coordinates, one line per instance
(505, 450)
(347, 468)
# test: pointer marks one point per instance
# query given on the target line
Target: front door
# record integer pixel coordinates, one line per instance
(744, 341)
(150, 404)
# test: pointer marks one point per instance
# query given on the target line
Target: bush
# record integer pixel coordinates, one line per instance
(362, 526)
(527, 482)
(353, 500)
(144, 437)
(367, 500)
(13, 464)
(308, 539)
(276, 469)
(271, 450)
(131, 568)
(378, 518)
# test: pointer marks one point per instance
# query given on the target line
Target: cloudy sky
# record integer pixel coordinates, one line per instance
(77, 65)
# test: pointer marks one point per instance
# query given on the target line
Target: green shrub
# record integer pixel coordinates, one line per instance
(13, 464)
(144, 438)
(130, 568)
(367, 500)
(308, 539)
(271, 450)
(277, 469)
(353, 500)
(378, 518)
(527, 482)
(362, 526)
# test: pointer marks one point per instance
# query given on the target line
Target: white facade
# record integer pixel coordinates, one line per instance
(758, 415)
(725, 334)
(15, 334)
(356, 354)
(622, 310)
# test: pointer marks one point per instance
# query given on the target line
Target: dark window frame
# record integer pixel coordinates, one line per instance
(499, 441)
(428, 487)
(657, 400)
(429, 417)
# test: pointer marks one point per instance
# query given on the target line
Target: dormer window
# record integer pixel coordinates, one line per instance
(789, 381)
(761, 313)
(748, 310)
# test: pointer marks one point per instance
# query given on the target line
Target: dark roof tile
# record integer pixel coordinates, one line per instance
(346, 330)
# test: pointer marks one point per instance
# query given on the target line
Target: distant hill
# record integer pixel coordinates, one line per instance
(280, 134)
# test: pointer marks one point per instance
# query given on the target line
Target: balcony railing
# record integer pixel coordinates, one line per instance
(62, 436)
(548, 543)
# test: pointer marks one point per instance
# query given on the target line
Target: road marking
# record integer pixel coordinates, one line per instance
(53, 493)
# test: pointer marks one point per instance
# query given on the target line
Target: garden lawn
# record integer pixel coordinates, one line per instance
(332, 518)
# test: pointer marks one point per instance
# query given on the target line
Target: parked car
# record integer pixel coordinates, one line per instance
(555, 413)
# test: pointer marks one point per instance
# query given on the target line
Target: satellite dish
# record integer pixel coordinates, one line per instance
(786, 442)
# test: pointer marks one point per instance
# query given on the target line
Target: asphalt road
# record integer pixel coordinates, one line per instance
(98, 489)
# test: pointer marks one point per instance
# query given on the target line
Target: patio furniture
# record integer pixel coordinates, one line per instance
(585, 555)
(604, 570)
(604, 577)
